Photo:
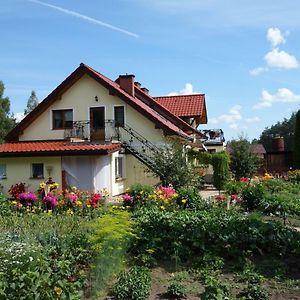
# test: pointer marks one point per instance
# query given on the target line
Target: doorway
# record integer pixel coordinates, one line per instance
(97, 123)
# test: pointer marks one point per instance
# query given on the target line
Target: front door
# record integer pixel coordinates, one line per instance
(97, 121)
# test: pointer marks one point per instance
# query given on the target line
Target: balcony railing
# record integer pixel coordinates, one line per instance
(80, 130)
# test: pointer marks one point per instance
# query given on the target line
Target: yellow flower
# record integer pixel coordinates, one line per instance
(49, 212)
(175, 195)
(162, 207)
(150, 251)
(70, 212)
(183, 201)
(78, 203)
(58, 291)
(42, 185)
(13, 203)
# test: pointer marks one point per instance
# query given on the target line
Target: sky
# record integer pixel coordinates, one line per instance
(243, 55)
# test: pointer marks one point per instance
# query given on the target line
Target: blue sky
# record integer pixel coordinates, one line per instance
(244, 55)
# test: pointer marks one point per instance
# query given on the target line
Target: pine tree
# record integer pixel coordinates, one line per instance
(7, 122)
(297, 142)
(32, 103)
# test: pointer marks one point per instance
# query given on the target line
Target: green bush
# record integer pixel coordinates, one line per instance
(189, 197)
(215, 289)
(177, 290)
(253, 291)
(110, 238)
(134, 284)
(220, 232)
(252, 196)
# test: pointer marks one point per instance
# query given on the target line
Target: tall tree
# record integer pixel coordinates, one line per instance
(243, 163)
(284, 129)
(32, 103)
(7, 122)
(297, 142)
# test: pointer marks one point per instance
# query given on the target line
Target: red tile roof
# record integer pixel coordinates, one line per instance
(112, 86)
(55, 147)
(184, 105)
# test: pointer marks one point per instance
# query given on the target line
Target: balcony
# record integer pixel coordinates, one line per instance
(85, 131)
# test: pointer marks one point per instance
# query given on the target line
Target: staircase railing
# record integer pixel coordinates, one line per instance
(135, 143)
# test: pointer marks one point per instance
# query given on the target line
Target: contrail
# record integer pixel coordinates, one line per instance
(86, 18)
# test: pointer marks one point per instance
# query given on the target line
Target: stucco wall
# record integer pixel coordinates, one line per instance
(137, 172)
(19, 170)
(81, 97)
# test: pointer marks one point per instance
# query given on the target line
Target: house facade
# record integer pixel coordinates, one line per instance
(92, 132)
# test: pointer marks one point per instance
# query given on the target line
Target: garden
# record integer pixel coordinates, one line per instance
(157, 242)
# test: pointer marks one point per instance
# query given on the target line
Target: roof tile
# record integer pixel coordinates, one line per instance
(40, 147)
(183, 105)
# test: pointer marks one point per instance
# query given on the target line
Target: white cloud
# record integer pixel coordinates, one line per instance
(283, 95)
(275, 36)
(281, 59)
(257, 71)
(231, 118)
(85, 18)
(276, 58)
(252, 120)
(187, 90)
(19, 116)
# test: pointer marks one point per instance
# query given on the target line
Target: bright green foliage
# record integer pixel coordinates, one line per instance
(220, 163)
(284, 129)
(110, 238)
(177, 290)
(297, 142)
(253, 196)
(7, 122)
(134, 284)
(43, 257)
(172, 165)
(243, 163)
(32, 103)
(215, 289)
(193, 233)
(294, 176)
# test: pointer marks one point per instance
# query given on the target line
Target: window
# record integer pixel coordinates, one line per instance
(2, 171)
(37, 171)
(119, 116)
(62, 119)
(119, 168)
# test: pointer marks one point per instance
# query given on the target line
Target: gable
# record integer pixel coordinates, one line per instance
(84, 96)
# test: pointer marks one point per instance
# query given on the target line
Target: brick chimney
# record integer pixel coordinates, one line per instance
(126, 83)
(145, 90)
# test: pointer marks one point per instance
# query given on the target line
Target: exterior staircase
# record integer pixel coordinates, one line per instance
(137, 145)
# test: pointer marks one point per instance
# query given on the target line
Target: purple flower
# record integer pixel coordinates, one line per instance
(50, 200)
(28, 197)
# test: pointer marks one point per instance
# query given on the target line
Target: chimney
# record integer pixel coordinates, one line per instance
(137, 84)
(126, 83)
(145, 90)
(278, 144)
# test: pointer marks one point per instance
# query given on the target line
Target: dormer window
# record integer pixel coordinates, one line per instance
(62, 119)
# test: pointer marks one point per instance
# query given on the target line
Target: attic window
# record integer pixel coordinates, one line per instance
(62, 119)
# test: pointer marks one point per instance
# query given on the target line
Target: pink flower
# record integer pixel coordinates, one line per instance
(220, 198)
(244, 179)
(235, 198)
(71, 197)
(95, 199)
(168, 192)
(28, 197)
(128, 200)
(51, 200)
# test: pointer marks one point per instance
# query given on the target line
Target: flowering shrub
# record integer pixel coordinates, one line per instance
(50, 200)
(244, 179)
(127, 199)
(28, 198)
(16, 190)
